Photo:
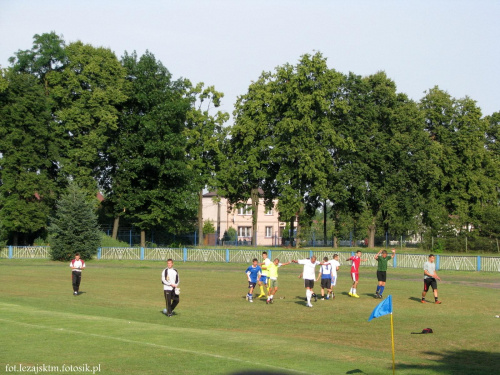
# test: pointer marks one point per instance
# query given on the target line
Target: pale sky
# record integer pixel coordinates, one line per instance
(228, 43)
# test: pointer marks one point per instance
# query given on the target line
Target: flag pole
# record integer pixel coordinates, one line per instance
(392, 337)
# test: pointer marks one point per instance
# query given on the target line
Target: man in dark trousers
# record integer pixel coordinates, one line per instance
(77, 265)
(170, 280)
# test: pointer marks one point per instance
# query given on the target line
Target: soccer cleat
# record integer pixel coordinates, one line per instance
(423, 301)
(267, 302)
(323, 298)
(75, 293)
(328, 297)
(250, 300)
(261, 295)
(246, 297)
(377, 295)
(437, 302)
(309, 305)
(355, 295)
(350, 294)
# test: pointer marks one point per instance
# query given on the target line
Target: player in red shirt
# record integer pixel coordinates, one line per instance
(356, 260)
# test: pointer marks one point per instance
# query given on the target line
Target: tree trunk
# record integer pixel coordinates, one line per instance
(371, 234)
(143, 238)
(200, 217)
(292, 221)
(116, 224)
(335, 242)
(297, 241)
(255, 213)
(325, 238)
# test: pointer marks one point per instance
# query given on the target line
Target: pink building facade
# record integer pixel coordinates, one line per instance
(269, 228)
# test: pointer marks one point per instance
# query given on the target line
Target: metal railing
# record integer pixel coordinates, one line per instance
(401, 260)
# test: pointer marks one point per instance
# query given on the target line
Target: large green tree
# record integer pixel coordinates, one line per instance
(205, 136)
(87, 92)
(380, 177)
(149, 178)
(26, 156)
(464, 179)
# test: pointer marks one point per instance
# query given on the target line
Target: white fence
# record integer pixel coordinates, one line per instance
(416, 261)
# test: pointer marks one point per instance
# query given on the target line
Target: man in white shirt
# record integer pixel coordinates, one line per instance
(308, 274)
(335, 267)
(170, 281)
(77, 265)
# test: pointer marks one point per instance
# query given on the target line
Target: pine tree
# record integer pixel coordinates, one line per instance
(74, 227)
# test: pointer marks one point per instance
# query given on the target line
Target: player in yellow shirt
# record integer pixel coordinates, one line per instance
(264, 278)
(273, 278)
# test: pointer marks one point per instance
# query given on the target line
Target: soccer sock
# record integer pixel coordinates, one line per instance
(435, 298)
(308, 295)
(261, 289)
(382, 290)
(353, 290)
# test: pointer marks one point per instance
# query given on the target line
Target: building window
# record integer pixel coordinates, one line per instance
(269, 231)
(245, 210)
(244, 231)
(269, 211)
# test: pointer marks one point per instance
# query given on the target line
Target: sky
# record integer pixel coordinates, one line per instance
(228, 43)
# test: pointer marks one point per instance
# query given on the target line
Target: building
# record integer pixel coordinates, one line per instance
(269, 228)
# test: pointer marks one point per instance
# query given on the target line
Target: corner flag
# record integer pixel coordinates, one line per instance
(383, 308)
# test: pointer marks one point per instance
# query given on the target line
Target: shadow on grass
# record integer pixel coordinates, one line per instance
(461, 362)
(355, 371)
(415, 299)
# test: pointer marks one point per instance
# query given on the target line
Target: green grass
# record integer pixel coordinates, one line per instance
(117, 322)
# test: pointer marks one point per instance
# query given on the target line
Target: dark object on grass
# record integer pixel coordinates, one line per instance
(425, 330)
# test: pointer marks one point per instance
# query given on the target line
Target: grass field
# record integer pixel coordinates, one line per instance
(115, 326)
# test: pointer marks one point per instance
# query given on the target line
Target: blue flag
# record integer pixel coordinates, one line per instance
(383, 308)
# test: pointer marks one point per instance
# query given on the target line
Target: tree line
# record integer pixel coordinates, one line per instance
(311, 137)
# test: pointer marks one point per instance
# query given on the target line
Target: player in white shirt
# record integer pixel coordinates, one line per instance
(308, 274)
(77, 265)
(335, 267)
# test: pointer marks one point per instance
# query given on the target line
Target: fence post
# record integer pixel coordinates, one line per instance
(478, 263)
(184, 254)
(227, 255)
(99, 253)
(394, 261)
(142, 253)
(437, 262)
(10, 251)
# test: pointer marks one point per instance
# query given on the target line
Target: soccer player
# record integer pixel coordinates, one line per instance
(273, 279)
(253, 273)
(382, 270)
(430, 277)
(335, 267)
(77, 266)
(170, 281)
(263, 281)
(356, 260)
(308, 274)
(325, 274)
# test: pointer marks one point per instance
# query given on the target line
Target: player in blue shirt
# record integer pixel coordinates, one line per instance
(253, 274)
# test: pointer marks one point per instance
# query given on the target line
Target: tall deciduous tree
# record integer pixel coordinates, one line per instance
(205, 136)
(381, 175)
(150, 177)
(465, 171)
(87, 92)
(26, 189)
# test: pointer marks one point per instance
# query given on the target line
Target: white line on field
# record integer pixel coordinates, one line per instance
(152, 344)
